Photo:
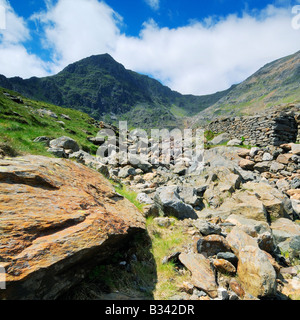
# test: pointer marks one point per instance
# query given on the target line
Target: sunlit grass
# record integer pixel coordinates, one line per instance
(166, 241)
(128, 194)
(20, 124)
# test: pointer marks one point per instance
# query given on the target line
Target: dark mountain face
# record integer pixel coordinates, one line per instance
(104, 89)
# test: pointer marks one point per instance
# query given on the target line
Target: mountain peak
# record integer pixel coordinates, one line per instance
(100, 61)
(99, 58)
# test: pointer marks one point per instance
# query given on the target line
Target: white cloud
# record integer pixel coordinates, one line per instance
(200, 58)
(16, 30)
(15, 59)
(154, 4)
(76, 30)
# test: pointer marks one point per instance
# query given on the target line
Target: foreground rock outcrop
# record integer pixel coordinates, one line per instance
(58, 219)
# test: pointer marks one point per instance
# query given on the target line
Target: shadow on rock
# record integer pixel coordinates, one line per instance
(130, 274)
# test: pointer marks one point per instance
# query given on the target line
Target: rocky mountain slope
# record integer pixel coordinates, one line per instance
(276, 83)
(104, 89)
(238, 218)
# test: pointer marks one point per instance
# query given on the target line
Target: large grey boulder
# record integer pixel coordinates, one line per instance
(189, 196)
(291, 247)
(57, 152)
(296, 206)
(256, 272)
(65, 143)
(82, 157)
(249, 226)
(140, 161)
(253, 151)
(276, 166)
(262, 166)
(295, 148)
(126, 172)
(271, 197)
(144, 198)
(234, 142)
(98, 141)
(169, 203)
(206, 228)
(246, 204)
(267, 157)
(287, 235)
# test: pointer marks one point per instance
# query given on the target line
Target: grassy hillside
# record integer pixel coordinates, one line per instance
(21, 123)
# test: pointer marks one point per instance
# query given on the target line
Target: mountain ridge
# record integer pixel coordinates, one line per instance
(103, 88)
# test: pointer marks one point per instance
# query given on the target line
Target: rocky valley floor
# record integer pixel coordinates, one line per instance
(231, 232)
(74, 227)
(228, 230)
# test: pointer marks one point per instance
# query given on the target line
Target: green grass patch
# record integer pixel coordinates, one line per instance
(209, 135)
(166, 241)
(20, 124)
(178, 112)
(128, 194)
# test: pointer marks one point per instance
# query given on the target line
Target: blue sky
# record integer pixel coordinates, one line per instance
(178, 13)
(169, 13)
(193, 46)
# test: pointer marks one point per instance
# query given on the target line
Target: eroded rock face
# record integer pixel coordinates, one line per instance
(58, 219)
(256, 272)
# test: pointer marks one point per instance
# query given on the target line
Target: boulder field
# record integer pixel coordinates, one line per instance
(59, 218)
